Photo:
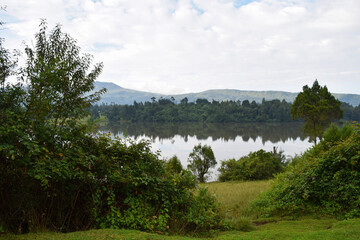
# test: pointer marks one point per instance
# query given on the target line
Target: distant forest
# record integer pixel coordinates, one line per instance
(202, 110)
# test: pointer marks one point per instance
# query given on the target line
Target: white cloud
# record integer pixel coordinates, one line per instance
(192, 45)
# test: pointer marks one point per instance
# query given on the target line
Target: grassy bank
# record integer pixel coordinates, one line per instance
(310, 229)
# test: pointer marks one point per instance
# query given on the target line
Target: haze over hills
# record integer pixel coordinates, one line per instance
(119, 95)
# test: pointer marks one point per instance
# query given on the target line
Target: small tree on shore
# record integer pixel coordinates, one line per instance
(201, 159)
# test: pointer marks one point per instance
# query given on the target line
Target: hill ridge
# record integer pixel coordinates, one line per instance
(119, 95)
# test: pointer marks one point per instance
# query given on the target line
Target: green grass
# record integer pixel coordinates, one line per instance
(308, 229)
(235, 197)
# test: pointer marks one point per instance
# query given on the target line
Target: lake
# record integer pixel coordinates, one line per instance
(230, 140)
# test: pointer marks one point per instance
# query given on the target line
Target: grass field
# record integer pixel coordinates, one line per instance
(310, 229)
(235, 197)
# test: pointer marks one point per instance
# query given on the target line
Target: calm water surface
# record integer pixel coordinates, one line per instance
(231, 140)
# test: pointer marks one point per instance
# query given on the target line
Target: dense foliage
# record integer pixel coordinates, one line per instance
(166, 110)
(40, 137)
(56, 173)
(173, 165)
(318, 108)
(350, 113)
(324, 180)
(259, 165)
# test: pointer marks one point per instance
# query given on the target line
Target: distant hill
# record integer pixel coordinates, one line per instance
(119, 95)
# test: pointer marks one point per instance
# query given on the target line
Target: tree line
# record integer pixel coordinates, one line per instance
(274, 132)
(202, 110)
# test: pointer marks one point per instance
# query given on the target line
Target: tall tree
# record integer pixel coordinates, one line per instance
(318, 108)
(6, 62)
(58, 78)
(54, 92)
(10, 96)
(201, 159)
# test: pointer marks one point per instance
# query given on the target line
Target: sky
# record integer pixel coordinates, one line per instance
(181, 46)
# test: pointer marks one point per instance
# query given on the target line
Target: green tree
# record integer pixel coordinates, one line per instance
(9, 97)
(201, 159)
(58, 78)
(174, 165)
(184, 101)
(41, 143)
(257, 165)
(7, 64)
(318, 108)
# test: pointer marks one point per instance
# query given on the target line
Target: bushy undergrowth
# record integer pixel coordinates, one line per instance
(324, 180)
(259, 165)
(76, 181)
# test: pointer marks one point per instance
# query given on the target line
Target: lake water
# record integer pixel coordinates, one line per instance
(231, 140)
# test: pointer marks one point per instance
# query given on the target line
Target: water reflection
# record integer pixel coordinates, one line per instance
(227, 140)
(273, 132)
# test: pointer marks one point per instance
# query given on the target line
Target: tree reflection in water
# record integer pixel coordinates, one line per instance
(273, 132)
(230, 140)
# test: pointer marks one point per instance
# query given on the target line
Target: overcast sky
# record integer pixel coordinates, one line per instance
(178, 46)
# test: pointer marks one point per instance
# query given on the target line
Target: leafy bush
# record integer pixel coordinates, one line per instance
(325, 180)
(173, 165)
(204, 213)
(334, 134)
(96, 181)
(258, 165)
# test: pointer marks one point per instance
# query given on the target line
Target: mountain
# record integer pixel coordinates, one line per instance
(233, 94)
(119, 95)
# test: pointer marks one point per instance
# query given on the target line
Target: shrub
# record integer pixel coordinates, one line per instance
(258, 165)
(334, 134)
(325, 180)
(173, 165)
